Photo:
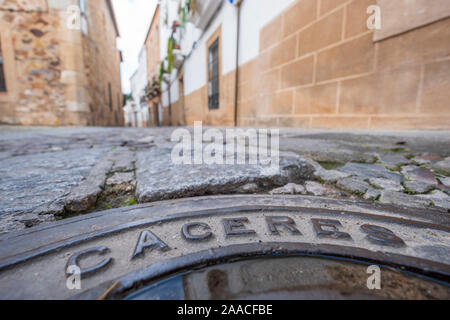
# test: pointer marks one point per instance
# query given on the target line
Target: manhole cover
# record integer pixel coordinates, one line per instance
(231, 247)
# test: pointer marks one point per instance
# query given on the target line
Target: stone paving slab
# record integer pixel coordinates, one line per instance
(367, 171)
(32, 185)
(159, 181)
(54, 173)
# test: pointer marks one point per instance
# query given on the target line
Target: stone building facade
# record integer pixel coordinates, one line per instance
(310, 63)
(60, 63)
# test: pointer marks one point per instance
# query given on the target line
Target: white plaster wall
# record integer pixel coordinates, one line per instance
(255, 14)
(170, 6)
(166, 30)
(195, 64)
(195, 69)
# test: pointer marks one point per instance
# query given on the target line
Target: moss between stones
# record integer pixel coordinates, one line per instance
(397, 150)
(442, 172)
(321, 181)
(398, 167)
(393, 150)
(373, 185)
(116, 197)
(358, 193)
(329, 165)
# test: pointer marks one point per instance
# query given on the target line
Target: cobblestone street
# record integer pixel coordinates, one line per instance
(49, 174)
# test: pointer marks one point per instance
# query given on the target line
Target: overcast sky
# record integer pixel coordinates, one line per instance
(133, 17)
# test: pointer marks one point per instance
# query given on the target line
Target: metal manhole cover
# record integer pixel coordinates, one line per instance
(131, 252)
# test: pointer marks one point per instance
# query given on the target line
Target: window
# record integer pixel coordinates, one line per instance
(213, 76)
(2, 74)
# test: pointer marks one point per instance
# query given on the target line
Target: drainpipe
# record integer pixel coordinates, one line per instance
(236, 84)
(170, 103)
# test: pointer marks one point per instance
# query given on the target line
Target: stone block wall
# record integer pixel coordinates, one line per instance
(319, 67)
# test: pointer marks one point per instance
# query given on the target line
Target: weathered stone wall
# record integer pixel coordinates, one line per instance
(319, 66)
(35, 94)
(46, 66)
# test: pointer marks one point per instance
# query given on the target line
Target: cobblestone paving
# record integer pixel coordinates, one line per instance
(54, 173)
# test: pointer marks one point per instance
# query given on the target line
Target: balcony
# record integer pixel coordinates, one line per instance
(205, 11)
